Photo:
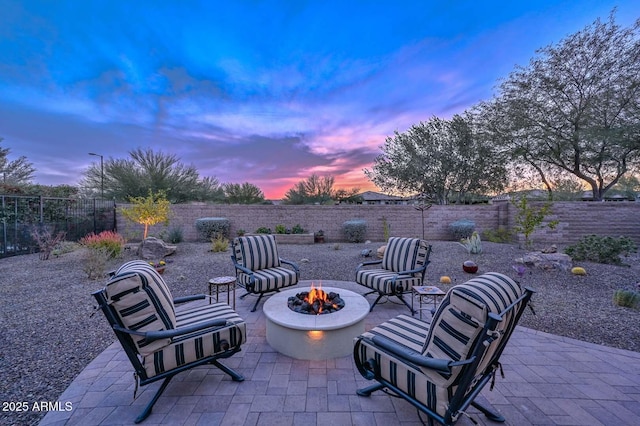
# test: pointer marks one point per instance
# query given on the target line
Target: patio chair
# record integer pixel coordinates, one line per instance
(259, 269)
(163, 336)
(403, 265)
(441, 367)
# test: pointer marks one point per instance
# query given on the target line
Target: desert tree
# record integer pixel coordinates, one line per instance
(245, 193)
(575, 108)
(317, 189)
(439, 159)
(147, 170)
(16, 172)
(149, 210)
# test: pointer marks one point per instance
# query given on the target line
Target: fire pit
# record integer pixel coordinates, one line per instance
(314, 336)
(315, 302)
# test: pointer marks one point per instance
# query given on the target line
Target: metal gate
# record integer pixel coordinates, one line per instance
(21, 215)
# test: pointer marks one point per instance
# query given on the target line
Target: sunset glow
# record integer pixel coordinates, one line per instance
(265, 92)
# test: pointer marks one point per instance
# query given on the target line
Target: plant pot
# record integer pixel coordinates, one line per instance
(470, 267)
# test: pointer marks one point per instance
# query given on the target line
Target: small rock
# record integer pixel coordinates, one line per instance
(552, 249)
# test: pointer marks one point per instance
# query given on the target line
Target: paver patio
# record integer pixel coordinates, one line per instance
(549, 380)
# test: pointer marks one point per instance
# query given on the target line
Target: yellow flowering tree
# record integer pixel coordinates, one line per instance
(148, 210)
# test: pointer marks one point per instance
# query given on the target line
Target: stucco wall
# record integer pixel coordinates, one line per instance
(576, 219)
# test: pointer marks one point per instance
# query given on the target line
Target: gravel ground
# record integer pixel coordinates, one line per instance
(50, 332)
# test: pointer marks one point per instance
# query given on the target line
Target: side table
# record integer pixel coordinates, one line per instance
(229, 284)
(428, 292)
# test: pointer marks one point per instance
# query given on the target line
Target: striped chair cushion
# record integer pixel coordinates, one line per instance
(197, 345)
(410, 332)
(381, 280)
(462, 314)
(269, 279)
(142, 301)
(456, 326)
(404, 254)
(256, 252)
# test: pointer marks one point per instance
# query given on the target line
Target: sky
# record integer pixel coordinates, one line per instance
(266, 92)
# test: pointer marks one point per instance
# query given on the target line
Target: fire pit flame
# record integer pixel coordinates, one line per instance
(315, 302)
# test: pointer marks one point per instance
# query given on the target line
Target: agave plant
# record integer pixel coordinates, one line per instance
(472, 243)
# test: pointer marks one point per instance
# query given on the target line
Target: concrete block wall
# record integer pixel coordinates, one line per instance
(576, 219)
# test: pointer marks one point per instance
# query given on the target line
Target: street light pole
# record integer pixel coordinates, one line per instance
(101, 174)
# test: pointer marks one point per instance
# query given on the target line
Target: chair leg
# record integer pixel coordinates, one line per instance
(413, 312)
(145, 413)
(235, 376)
(380, 296)
(490, 414)
(369, 389)
(257, 301)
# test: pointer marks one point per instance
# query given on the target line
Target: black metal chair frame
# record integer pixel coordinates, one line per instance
(250, 287)
(468, 388)
(403, 274)
(124, 336)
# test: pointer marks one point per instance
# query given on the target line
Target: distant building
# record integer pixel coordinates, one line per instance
(371, 197)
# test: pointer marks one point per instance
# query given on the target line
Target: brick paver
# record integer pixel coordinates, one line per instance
(550, 380)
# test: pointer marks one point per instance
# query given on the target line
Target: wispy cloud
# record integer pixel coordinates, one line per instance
(266, 92)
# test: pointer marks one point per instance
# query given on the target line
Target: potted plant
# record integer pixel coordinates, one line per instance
(318, 236)
(160, 266)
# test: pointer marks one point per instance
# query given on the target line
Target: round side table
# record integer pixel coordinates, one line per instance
(229, 284)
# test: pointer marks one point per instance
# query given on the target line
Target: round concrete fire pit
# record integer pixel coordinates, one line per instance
(314, 337)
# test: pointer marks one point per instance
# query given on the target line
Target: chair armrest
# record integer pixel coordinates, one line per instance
(243, 269)
(292, 264)
(186, 299)
(412, 357)
(150, 336)
(371, 262)
(412, 271)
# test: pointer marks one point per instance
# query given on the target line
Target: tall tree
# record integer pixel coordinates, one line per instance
(16, 172)
(440, 159)
(575, 108)
(245, 193)
(146, 171)
(317, 190)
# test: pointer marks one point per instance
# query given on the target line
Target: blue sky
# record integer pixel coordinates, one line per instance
(265, 92)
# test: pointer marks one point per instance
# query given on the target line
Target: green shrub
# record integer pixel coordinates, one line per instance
(280, 229)
(263, 230)
(110, 241)
(599, 249)
(354, 230)
(95, 261)
(626, 298)
(212, 227)
(297, 229)
(64, 247)
(500, 235)
(462, 229)
(219, 244)
(174, 235)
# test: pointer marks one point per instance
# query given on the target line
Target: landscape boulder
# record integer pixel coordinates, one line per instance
(153, 248)
(546, 261)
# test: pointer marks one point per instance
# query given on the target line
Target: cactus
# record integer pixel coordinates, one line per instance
(472, 244)
(626, 298)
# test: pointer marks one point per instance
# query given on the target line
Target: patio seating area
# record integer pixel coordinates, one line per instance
(548, 380)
